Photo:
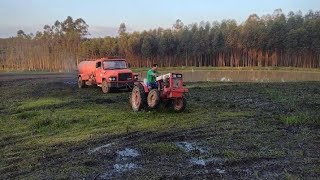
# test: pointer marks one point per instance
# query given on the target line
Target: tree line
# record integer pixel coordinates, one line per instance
(269, 40)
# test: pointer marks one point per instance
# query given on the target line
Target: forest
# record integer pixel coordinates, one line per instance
(276, 39)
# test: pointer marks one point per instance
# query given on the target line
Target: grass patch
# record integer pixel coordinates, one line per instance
(230, 154)
(225, 114)
(40, 103)
(27, 115)
(161, 148)
(296, 119)
(278, 96)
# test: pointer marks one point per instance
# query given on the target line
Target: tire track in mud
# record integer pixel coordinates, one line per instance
(224, 168)
(246, 167)
(216, 163)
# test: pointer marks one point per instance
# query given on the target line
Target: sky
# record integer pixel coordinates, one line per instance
(105, 16)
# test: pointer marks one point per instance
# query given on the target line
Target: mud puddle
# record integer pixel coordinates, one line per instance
(124, 161)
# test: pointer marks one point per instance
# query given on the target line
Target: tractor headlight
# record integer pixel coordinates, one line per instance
(112, 78)
(177, 75)
(136, 77)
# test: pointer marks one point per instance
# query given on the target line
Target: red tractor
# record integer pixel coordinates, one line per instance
(170, 92)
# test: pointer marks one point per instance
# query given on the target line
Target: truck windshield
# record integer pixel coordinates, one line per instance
(114, 65)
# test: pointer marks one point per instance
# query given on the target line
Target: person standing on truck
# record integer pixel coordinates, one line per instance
(151, 77)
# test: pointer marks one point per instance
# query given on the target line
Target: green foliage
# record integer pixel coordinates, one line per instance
(269, 40)
(122, 29)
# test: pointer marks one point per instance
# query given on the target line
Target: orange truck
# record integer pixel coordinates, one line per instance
(107, 73)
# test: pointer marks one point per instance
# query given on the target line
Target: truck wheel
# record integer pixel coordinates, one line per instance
(153, 99)
(81, 83)
(138, 98)
(179, 104)
(105, 88)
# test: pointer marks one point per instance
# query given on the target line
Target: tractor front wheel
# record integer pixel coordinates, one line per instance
(153, 99)
(138, 98)
(179, 104)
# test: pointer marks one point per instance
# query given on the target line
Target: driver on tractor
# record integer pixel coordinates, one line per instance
(151, 77)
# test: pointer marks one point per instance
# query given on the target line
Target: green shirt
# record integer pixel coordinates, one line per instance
(150, 76)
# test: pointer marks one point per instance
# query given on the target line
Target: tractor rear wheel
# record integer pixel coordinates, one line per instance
(81, 83)
(105, 87)
(179, 104)
(138, 98)
(153, 99)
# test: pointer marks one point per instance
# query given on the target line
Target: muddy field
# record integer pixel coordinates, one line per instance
(50, 129)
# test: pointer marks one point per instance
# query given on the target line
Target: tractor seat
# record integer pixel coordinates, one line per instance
(146, 84)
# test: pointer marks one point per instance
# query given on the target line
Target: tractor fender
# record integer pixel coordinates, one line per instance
(145, 87)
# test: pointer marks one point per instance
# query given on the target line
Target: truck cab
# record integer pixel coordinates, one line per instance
(107, 73)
